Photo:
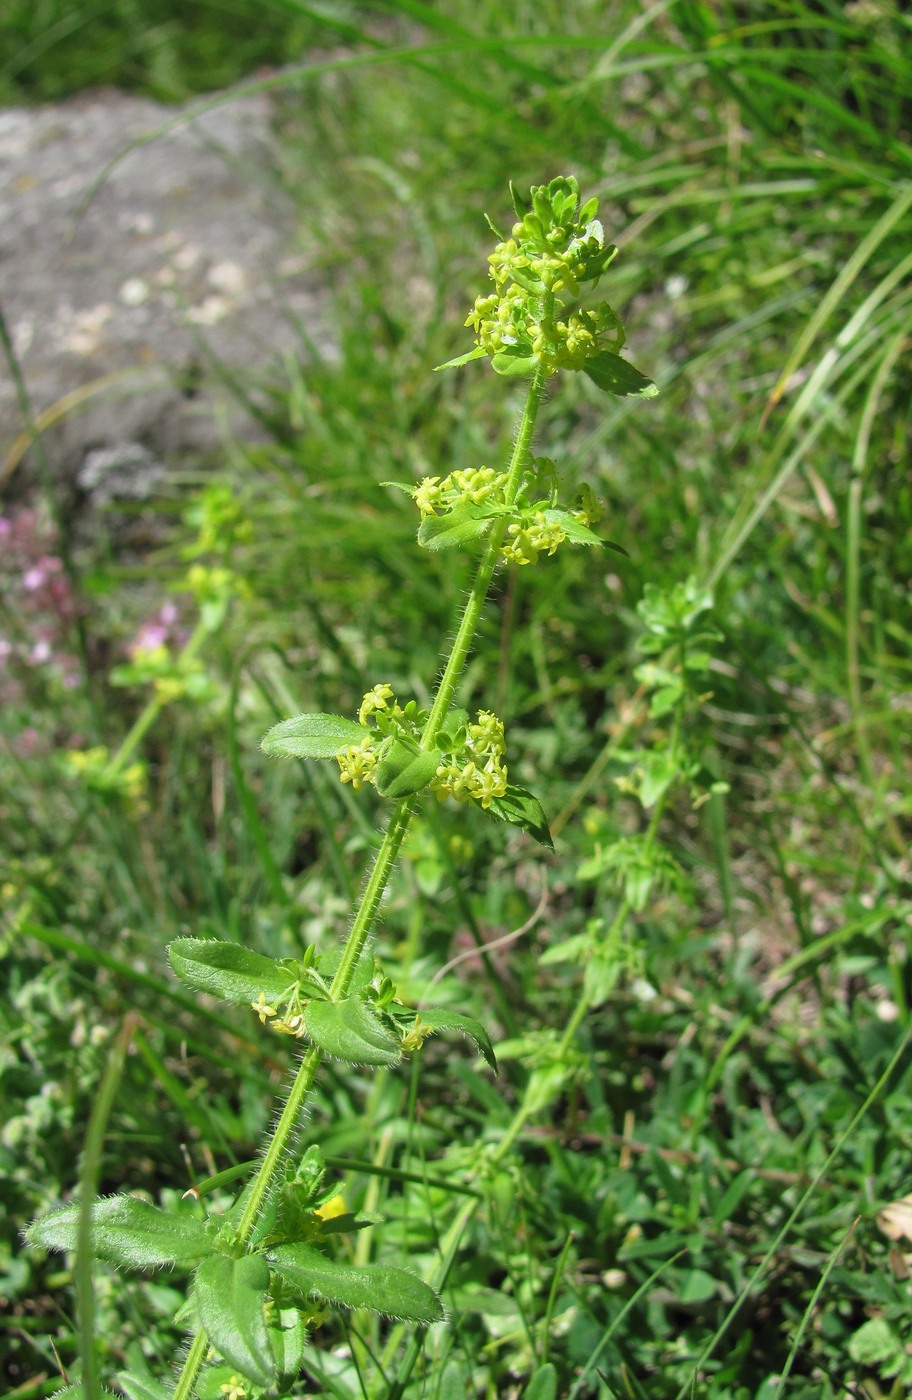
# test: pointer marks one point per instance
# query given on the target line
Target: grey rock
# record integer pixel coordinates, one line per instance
(125, 473)
(185, 251)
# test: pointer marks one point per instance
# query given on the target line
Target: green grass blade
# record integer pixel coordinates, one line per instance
(89, 1177)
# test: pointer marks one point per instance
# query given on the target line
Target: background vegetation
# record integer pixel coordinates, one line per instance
(739, 1119)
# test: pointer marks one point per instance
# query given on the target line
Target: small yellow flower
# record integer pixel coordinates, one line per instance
(87, 760)
(169, 688)
(288, 1025)
(519, 548)
(426, 495)
(357, 763)
(263, 1009)
(415, 1038)
(332, 1209)
(133, 780)
(377, 698)
(487, 734)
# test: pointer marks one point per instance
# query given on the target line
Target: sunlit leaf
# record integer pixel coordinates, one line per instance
(230, 1298)
(520, 808)
(466, 522)
(311, 736)
(475, 354)
(657, 771)
(127, 1231)
(616, 375)
(405, 770)
(572, 528)
(444, 1020)
(513, 365)
(351, 1031)
(227, 970)
(381, 1288)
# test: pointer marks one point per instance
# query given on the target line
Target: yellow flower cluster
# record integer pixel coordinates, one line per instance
(207, 583)
(358, 762)
(474, 771)
(374, 701)
(97, 770)
(529, 534)
(415, 1038)
(494, 318)
(589, 512)
(289, 1022)
(536, 534)
(525, 542)
(477, 773)
(552, 249)
(434, 495)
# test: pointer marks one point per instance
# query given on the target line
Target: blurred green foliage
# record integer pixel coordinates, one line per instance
(51, 49)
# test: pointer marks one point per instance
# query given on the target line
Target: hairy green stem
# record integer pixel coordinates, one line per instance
(385, 860)
(471, 616)
(191, 1367)
(373, 894)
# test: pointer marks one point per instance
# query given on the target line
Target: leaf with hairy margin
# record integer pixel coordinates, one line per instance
(311, 736)
(441, 1021)
(381, 1288)
(230, 1298)
(351, 1031)
(227, 970)
(127, 1231)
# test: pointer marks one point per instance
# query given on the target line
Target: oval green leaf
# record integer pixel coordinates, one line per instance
(405, 770)
(350, 1031)
(227, 970)
(230, 1297)
(475, 354)
(616, 375)
(520, 808)
(142, 1387)
(288, 1336)
(466, 1025)
(311, 736)
(513, 365)
(459, 526)
(128, 1232)
(572, 528)
(543, 1385)
(657, 773)
(381, 1288)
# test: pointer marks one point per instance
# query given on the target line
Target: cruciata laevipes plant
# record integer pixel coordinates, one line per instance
(262, 1272)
